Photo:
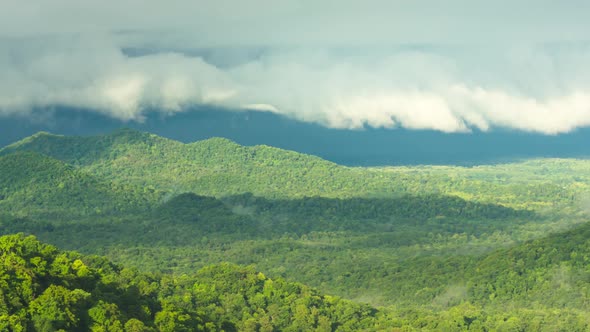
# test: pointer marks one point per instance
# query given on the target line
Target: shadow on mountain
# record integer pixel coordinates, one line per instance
(207, 214)
(258, 216)
(369, 147)
(189, 219)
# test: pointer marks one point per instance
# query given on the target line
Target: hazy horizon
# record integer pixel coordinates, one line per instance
(458, 67)
(367, 147)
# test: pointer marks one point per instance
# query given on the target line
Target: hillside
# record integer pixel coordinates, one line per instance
(84, 150)
(435, 248)
(45, 289)
(552, 270)
(33, 184)
(218, 167)
(212, 167)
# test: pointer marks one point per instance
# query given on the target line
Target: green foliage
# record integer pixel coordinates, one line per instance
(435, 247)
(362, 214)
(218, 167)
(49, 290)
(58, 308)
(222, 297)
(33, 184)
(202, 214)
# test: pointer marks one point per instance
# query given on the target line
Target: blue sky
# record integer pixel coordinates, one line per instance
(452, 66)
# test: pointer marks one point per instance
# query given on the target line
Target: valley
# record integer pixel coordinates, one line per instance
(378, 248)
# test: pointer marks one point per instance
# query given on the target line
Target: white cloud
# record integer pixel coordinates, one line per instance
(480, 65)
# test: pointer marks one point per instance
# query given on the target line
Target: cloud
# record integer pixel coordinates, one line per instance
(387, 64)
(207, 23)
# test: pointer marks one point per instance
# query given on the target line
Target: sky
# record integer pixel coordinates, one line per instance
(451, 67)
(368, 147)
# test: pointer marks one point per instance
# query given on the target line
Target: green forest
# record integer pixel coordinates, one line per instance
(134, 232)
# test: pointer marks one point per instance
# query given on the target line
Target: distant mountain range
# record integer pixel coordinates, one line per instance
(146, 163)
(448, 247)
(129, 169)
(369, 147)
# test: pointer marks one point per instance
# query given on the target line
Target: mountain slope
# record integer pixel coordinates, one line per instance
(31, 183)
(44, 289)
(84, 150)
(420, 251)
(216, 166)
(219, 167)
(552, 270)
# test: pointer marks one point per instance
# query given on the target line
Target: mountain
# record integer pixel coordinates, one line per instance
(84, 150)
(206, 215)
(552, 270)
(214, 167)
(367, 147)
(45, 289)
(443, 248)
(219, 167)
(31, 183)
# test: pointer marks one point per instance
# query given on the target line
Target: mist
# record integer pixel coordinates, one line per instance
(381, 65)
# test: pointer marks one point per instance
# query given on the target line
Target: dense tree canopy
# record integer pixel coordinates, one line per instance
(45, 289)
(416, 248)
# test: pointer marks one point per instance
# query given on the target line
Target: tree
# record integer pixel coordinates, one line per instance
(58, 308)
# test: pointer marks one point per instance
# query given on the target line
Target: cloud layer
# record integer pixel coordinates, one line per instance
(344, 70)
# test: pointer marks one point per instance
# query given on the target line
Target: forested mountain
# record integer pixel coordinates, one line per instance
(213, 167)
(44, 289)
(432, 247)
(552, 271)
(34, 184)
(219, 167)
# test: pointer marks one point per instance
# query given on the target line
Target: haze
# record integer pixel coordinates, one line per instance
(457, 67)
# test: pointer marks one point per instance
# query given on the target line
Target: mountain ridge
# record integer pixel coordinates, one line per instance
(40, 184)
(202, 167)
(388, 237)
(220, 167)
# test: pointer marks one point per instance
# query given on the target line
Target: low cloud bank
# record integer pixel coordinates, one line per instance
(544, 90)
